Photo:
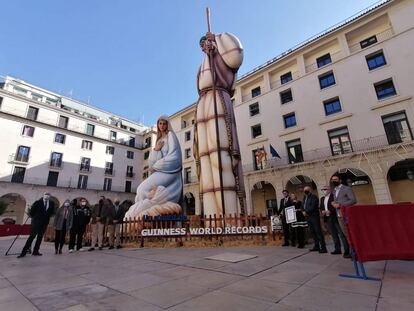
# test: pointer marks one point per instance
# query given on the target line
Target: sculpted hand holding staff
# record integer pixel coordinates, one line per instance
(216, 146)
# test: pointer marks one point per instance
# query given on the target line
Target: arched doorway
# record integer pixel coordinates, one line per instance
(360, 182)
(16, 206)
(263, 198)
(401, 181)
(297, 183)
(189, 204)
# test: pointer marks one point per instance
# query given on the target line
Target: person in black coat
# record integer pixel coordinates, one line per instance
(300, 224)
(288, 233)
(81, 218)
(311, 208)
(40, 212)
(329, 214)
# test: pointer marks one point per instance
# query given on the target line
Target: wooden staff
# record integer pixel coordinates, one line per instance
(213, 74)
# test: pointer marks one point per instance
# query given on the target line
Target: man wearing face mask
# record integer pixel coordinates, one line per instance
(285, 202)
(118, 213)
(81, 218)
(311, 208)
(63, 222)
(343, 197)
(98, 223)
(331, 219)
(40, 212)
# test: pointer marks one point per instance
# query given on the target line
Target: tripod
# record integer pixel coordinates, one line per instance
(17, 236)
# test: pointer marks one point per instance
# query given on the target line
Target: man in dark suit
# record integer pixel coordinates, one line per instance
(98, 221)
(40, 212)
(311, 208)
(343, 197)
(288, 234)
(330, 218)
(118, 218)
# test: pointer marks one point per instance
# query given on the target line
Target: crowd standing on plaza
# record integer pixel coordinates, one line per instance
(73, 217)
(106, 219)
(309, 212)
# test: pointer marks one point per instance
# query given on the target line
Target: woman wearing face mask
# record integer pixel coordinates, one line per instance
(62, 223)
(300, 224)
(81, 218)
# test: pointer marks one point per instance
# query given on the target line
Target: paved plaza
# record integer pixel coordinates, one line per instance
(266, 278)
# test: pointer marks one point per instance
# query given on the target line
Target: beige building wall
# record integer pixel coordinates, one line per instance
(372, 155)
(361, 113)
(15, 98)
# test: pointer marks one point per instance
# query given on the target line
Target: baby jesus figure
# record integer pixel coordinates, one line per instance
(155, 204)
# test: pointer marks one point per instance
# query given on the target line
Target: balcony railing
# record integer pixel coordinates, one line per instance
(381, 36)
(130, 174)
(18, 158)
(190, 179)
(109, 172)
(71, 127)
(358, 146)
(277, 83)
(85, 169)
(314, 66)
(56, 164)
(73, 184)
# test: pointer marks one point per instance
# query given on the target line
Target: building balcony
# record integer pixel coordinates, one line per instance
(190, 179)
(276, 83)
(16, 158)
(85, 169)
(109, 172)
(314, 66)
(56, 165)
(130, 174)
(357, 147)
(381, 36)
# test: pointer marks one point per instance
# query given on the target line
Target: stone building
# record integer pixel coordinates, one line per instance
(53, 143)
(340, 102)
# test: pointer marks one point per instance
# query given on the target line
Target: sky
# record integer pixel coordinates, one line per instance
(139, 59)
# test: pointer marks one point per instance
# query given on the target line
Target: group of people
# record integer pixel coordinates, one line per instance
(309, 212)
(73, 217)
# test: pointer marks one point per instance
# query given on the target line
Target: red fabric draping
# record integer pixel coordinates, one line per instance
(381, 232)
(6, 230)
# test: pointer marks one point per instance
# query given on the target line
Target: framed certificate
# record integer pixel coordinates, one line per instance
(290, 214)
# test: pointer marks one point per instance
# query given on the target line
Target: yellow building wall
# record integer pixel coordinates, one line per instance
(402, 190)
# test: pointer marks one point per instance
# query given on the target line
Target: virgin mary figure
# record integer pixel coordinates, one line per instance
(160, 193)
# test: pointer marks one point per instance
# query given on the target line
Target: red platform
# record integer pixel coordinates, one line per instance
(6, 230)
(381, 232)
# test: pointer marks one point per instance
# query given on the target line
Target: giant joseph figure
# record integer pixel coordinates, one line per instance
(216, 146)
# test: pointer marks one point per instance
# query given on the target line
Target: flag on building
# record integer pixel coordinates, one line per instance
(274, 152)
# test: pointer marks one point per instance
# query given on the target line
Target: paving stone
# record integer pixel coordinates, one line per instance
(119, 302)
(170, 293)
(211, 279)
(278, 278)
(4, 283)
(231, 257)
(134, 282)
(400, 304)
(321, 299)
(330, 280)
(36, 289)
(260, 289)
(222, 301)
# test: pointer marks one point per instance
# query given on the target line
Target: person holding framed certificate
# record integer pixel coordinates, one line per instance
(300, 224)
